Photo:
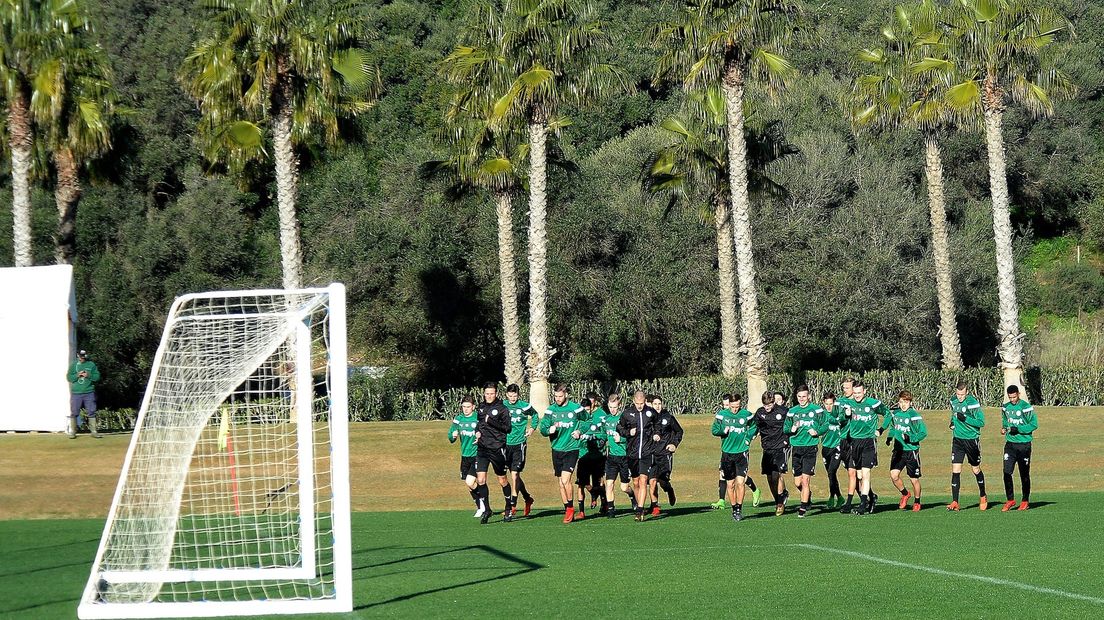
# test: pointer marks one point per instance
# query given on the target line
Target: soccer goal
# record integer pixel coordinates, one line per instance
(234, 495)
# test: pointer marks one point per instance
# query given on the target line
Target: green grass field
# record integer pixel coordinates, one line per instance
(413, 562)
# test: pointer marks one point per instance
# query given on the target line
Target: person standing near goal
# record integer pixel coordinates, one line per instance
(736, 428)
(523, 421)
(83, 375)
(1018, 422)
(463, 429)
(561, 425)
(906, 431)
(967, 418)
(490, 437)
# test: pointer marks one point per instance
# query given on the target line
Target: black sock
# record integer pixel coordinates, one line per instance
(475, 496)
(567, 506)
(632, 498)
(722, 488)
(955, 479)
(653, 505)
(1025, 481)
(1009, 489)
(522, 490)
(864, 500)
(580, 502)
(981, 483)
(850, 498)
(485, 495)
(750, 484)
(916, 499)
(506, 494)
(904, 492)
(609, 505)
(666, 486)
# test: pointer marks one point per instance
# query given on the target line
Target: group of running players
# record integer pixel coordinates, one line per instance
(634, 445)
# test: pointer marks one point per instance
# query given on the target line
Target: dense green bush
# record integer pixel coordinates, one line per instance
(1071, 288)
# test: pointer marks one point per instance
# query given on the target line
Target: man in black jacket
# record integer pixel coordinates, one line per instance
(670, 436)
(637, 423)
(771, 420)
(490, 440)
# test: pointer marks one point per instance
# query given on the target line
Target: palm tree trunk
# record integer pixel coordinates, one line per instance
(726, 274)
(1010, 348)
(21, 139)
(511, 329)
(67, 194)
(287, 180)
(754, 343)
(948, 329)
(538, 360)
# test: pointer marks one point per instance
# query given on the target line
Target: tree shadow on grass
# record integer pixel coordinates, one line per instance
(519, 566)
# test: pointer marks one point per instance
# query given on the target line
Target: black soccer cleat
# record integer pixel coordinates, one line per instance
(486, 516)
(671, 496)
(847, 508)
(801, 512)
(609, 512)
(508, 516)
(737, 516)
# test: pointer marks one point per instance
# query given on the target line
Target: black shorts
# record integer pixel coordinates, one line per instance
(564, 462)
(617, 467)
(845, 450)
(775, 461)
(907, 461)
(467, 467)
(804, 460)
(641, 466)
(590, 470)
(864, 454)
(966, 450)
(832, 457)
(490, 457)
(734, 466)
(1016, 454)
(515, 457)
(663, 465)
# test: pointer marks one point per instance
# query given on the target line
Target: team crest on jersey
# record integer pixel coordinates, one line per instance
(649, 414)
(778, 416)
(868, 409)
(494, 411)
(741, 420)
(571, 414)
(665, 422)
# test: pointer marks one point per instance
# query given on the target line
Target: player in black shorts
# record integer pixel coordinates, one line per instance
(592, 463)
(490, 437)
(670, 436)
(617, 465)
(722, 484)
(637, 423)
(770, 419)
(462, 429)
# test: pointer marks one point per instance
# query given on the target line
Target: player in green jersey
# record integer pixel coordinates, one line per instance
(722, 484)
(561, 426)
(617, 464)
(524, 420)
(847, 403)
(736, 427)
(863, 429)
(597, 485)
(967, 418)
(906, 430)
(802, 427)
(463, 428)
(592, 462)
(1018, 422)
(829, 425)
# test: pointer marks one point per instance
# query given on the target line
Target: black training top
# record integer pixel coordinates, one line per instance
(669, 431)
(643, 420)
(772, 427)
(494, 424)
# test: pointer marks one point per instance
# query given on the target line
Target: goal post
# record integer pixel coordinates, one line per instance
(234, 494)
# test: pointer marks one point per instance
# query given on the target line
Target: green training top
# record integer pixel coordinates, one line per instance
(975, 417)
(799, 421)
(82, 385)
(847, 407)
(463, 426)
(1020, 416)
(907, 422)
(829, 425)
(736, 430)
(864, 418)
(615, 444)
(558, 423)
(593, 435)
(521, 414)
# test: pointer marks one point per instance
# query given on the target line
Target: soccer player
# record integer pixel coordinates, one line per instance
(722, 485)
(906, 431)
(864, 450)
(670, 436)
(1018, 422)
(463, 428)
(596, 490)
(829, 426)
(490, 440)
(523, 420)
(617, 465)
(847, 403)
(779, 399)
(560, 425)
(802, 428)
(967, 418)
(637, 423)
(592, 463)
(736, 428)
(770, 419)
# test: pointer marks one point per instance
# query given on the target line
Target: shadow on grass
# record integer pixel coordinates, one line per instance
(520, 566)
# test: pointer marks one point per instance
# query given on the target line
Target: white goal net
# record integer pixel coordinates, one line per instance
(234, 495)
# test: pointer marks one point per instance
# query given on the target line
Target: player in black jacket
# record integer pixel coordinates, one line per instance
(637, 423)
(670, 436)
(490, 441)
(771, 420)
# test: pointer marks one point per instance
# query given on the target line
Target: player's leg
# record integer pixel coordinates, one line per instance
(912, 468)
(1024, 464)
(567, 491)
(722, 490)
(896, 465)
(665, 478)
(831, 458)
(975, 465)
(482, 463)
(958, 455)
(756, 493)
(469, 481)
(1009, 487)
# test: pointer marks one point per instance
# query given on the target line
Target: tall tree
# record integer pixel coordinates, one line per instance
(291, 66)
(726, 44)
(1005, 51)
(900, 89)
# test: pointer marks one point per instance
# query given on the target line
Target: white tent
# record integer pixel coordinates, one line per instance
(38, 317)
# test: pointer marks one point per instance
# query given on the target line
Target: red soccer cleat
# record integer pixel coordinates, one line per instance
(1023, 505)
(983, 503)
(569, 515)
(916, 506)
(904, 501)
(528, 506)
(655, 511)
(579, 515)
(953, 506)
(1009, 505)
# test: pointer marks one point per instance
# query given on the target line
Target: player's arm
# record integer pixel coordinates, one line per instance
(546, 427)
(72, 374)
(974, 415)
(918, 431)
(717, 430)
(789, 425)
(1030, 421)
(94, 374)
(1004, 418)
(675, 438)
(454, 430)
(821, 421)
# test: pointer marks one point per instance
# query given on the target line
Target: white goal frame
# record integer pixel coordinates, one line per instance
(92, 605)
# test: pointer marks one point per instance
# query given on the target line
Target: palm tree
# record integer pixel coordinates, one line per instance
(726, 43)
(696, 163)
(1004, 51)
(528, 59)
(288, 65)
(899, 91)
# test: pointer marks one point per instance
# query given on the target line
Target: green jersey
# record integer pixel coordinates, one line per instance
(847, 408)
(864, 418)
(615, 443)
(559, 422)
(521, 414)
(86, 384)
(830, 425)
(799, 421)
(589, 443)
(463, 428)
(973, 417)
(907, 423)
(736, 430)
(1020, 416)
